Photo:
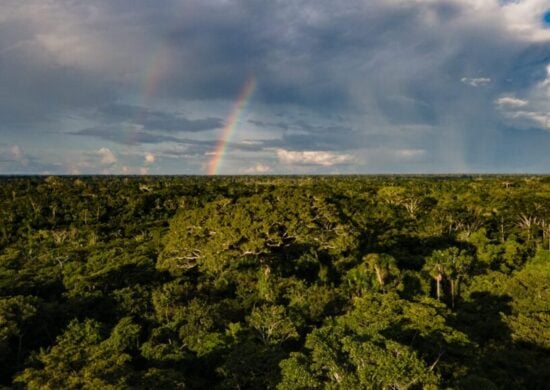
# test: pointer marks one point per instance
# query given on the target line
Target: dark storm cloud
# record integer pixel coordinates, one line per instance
(125, 137)
(386, 67)
(395, 64)
(314, 54)
(307, 53)
(137, 137)
(302, 125)
(157, 120)
(33, 90)
(302, 135)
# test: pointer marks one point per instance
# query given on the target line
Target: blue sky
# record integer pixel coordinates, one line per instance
(378, 86)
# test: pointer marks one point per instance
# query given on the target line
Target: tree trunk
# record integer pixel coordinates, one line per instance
(438, 279)
(379, 275)
(452, 293)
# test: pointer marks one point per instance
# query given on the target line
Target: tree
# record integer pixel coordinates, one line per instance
(459, 266)
(82, 357)
(352, 352)
(435, 266)
(17, 319)
(383, 266)
(451, 264)
(272, 324)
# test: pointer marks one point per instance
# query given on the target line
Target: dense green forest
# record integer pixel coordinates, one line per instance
(275, 282)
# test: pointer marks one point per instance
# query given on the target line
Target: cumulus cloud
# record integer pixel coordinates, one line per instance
(149, 158)
(16, 160)
(529, 113)
(525, 18)
(257, 169)
(510, 102)
(530, 118)
(310, 157)
(18, 157)
(16, 152)
(107, 157)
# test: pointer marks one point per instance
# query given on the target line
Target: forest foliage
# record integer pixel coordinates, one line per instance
(379, 282)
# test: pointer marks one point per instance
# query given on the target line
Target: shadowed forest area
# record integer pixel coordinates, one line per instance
(378, 282)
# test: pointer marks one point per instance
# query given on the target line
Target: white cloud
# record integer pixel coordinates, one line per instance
(546, 83)
(311, 157)
(532, 118)
(510, 102)
(16, 152)
(250, 142)
(107, 157)
(258, 168)
(476, 82)
(149, 158)
(524, 19)
(143, 171)
(536, 115)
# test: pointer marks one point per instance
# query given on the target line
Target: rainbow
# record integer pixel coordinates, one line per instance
(152, 77)
(230, 125)
(154, 72)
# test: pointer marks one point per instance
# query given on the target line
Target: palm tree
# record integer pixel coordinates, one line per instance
(458, 264)
(383, 266)
(435, 266)
(526, 223)
(452, 264)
